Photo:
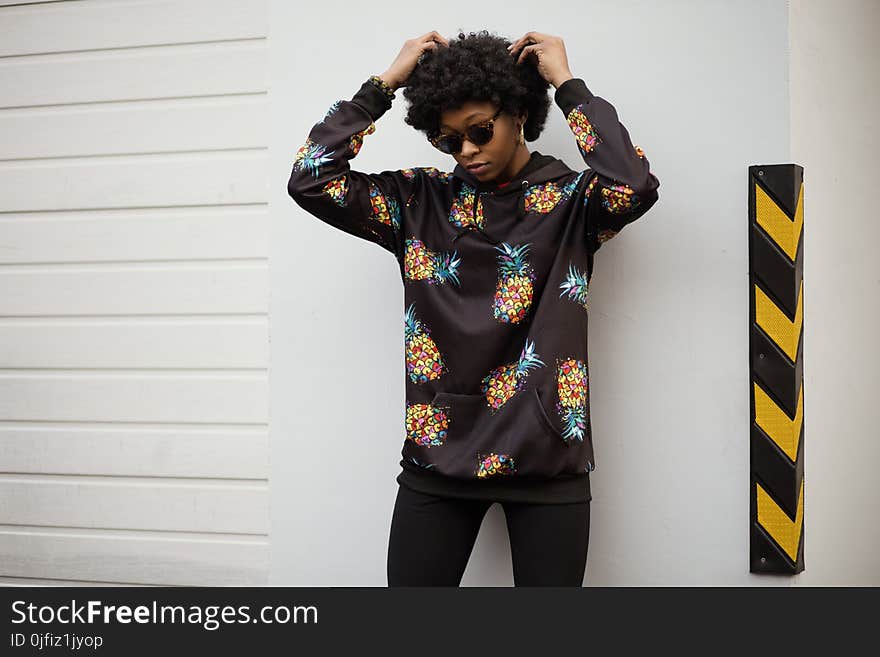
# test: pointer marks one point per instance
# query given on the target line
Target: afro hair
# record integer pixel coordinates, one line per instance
(475, 67)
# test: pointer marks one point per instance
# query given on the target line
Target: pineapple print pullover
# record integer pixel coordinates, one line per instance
(496, 293)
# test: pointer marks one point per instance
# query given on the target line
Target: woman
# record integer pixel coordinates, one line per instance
(495, 258)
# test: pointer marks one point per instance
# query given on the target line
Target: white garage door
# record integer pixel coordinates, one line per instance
(133, 292)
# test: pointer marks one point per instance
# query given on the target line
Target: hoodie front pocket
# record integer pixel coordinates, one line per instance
(536, 444)
(516, 439)
(471, 436)
(542, 414)
(568, 455)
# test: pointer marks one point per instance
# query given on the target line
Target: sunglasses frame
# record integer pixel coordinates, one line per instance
(489, 125)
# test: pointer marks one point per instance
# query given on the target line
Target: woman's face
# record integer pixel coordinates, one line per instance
(498, 153)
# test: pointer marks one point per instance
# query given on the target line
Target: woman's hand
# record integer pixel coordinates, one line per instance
(550, 53)
(401, 68)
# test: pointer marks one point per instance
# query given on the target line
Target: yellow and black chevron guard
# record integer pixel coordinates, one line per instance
(776, 309)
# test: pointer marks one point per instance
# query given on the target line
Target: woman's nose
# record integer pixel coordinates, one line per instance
(468, 149)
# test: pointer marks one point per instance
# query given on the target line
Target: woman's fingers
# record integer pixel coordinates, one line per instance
(528, 50)
(434, 35)
(533, 37)
(513, 47)
(439, 37)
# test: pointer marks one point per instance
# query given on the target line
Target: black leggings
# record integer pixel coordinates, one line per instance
(432, 538)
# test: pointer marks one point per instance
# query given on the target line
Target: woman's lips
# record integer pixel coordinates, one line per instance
(478, 169)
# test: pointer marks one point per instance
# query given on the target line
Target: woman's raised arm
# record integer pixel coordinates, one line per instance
(322, 182)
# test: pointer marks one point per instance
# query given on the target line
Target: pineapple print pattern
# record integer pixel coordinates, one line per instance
(544, 197)
(311, 156)
(433, 172)
(337, 189)
(331, 110)
(504, 381)
(619, 199)
(463, 213)
(357, 139)
(590, 187)
(423, 360)
(616, 199)
(583, 130)
(493, 465)
(571, 384)
(426, 424)
(513, 292)
(576, 287)
(422, 264)
(384, 209)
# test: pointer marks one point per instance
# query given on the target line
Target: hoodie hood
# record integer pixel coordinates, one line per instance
(540, 168)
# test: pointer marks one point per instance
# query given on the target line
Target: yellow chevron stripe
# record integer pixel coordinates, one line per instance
(785, 531)
(782, 430)
(782, 230)
(775, 323)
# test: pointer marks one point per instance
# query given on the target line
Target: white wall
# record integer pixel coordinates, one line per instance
(835, 93)
(703, 87)
(133, 293)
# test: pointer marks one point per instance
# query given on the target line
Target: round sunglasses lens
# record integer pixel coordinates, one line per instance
(450, 145)
(480, 135)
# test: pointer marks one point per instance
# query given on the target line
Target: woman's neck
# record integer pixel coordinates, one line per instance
(520, 158)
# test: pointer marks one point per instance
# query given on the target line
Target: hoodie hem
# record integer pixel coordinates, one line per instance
(563, 489)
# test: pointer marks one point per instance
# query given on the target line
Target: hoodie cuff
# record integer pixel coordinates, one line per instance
(572, 93)
(372, 99)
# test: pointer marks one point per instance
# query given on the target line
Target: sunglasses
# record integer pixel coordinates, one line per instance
(478, 134)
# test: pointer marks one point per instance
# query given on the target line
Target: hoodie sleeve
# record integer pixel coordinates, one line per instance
(367, 205)
(619, 185)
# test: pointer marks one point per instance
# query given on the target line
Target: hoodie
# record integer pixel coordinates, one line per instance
(496, 292)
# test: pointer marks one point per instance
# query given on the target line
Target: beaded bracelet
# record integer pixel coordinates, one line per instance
(379, 82)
